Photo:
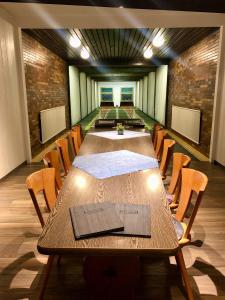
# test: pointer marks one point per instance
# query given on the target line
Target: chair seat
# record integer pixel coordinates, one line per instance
(179, 228)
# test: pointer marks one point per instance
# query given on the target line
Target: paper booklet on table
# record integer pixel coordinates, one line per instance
(136, 219)
(95, 219)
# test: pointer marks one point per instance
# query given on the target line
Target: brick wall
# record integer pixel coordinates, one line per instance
(192, 84)
(47, 85)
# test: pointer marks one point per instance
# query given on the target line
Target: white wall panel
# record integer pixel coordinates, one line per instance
(116, 86)
(186, 121)
(89, 94)
(145, 94)
(137, 94)
(92, 94)
(160, 96)
(141, 95)
(151, 94)
(83, 95)
(12, 142)
(74, 83)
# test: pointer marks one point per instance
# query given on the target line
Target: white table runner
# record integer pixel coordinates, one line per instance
(108, 164)
(113, 135)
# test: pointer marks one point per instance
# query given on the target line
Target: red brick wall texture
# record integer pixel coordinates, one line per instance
(46, 83)
(192, 84)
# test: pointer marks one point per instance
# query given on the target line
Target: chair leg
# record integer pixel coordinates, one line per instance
(46, 276)
(181, 265)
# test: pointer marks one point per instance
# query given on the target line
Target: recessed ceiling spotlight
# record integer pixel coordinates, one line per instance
(84, 53)
(75, 42)
(148, 53)
(158, 41)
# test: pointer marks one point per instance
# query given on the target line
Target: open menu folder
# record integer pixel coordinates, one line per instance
(95, 219)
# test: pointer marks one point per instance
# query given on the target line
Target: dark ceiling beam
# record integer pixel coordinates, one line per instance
(119, 62)
(217, 6)
(119, 78)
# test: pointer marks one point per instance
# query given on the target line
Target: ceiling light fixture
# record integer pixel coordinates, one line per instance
(75, 42)
(148, 53)
(158, 41)
(84, 53)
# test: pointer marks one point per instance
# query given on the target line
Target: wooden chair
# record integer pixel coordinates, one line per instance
(74, 141)
(161, 134)
(180, 161)
(77, 128)
(51, 160)
(192, 181)
(43, 180)
(62, 145)
(166, 155)
(156, 128)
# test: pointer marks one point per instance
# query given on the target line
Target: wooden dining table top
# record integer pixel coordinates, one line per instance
(142, 187)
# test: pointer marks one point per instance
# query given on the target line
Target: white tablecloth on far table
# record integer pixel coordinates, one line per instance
(108, 164)
(113, 135)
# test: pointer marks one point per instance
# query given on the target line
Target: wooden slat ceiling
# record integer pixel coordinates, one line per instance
(182, 5)
(119, 48)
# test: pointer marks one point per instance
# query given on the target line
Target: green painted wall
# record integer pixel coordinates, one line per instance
(151, 95)
(93, 94)
(145, 94)
(74, 84)
(141, 95)
(89, 95)
(83, 95)
(160, 94)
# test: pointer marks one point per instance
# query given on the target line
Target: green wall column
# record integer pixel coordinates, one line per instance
(151, 94)
(83, 94)
(74, 85)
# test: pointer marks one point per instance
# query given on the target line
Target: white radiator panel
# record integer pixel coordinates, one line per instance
(53, 121)
(186, 121)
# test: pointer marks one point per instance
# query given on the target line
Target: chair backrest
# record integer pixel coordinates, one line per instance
(77, 128)
(157, 127)
(192, 181)
(166, 155)
(42, 181)
(180, 161)
(74, 140)
(161, 134)
(62, 145)
(51, 160)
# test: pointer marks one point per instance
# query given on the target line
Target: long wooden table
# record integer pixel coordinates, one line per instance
(143, 187)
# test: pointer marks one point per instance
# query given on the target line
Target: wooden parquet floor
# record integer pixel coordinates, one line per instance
(21, 266)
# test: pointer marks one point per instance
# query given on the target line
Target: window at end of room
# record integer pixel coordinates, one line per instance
(106, 94)
(127, 94)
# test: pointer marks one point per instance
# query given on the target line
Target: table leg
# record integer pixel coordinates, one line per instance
(46, 276)
(181, 265)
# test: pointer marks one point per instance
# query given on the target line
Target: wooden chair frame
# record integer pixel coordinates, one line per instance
(157, 127)
(43, 180)
(51, 160)
(161, 134)
(74, 141)
(192, 181)
(63, 148)
(77, 128)
(166, 155)
(180, 161)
